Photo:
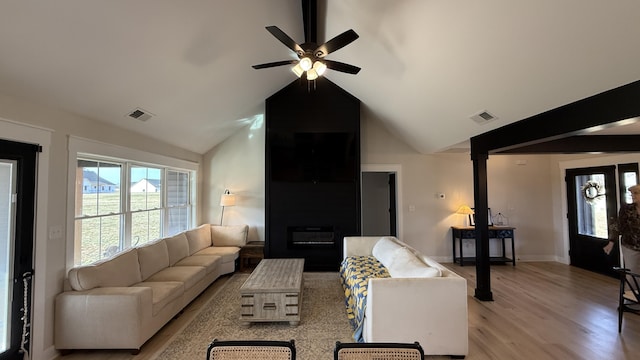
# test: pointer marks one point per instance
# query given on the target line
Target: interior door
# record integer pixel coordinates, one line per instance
(379, 198)
(592, 200)
(393, 211)
(17, 210)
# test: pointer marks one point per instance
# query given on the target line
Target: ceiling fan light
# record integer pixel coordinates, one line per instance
(319, 67)
(298, 70)
(305, 63)
(312, 74)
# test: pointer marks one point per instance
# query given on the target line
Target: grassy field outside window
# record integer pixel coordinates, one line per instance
(100, 235)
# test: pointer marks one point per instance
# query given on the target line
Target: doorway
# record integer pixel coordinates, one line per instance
(17, 216)
(591, 204)
(379, 203)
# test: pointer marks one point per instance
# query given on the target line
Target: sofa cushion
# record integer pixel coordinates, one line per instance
(383, 250)
(209, 262)
(227, 253)
(178, 248)
(121, 270)
(199, 238)
(189, 275)
(163, 293)
(234, 235)
(406, 264)
(153, 257)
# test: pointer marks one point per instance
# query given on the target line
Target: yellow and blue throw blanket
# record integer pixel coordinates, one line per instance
(355, 272)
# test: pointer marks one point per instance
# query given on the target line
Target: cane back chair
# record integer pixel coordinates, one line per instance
(378, 351)
(629, 295)
(251, 350)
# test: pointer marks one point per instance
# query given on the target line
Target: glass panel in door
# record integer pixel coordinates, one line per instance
(17, 209)
(7, 214)
(628, 176)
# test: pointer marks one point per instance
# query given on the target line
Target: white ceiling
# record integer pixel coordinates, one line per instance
(427, 65)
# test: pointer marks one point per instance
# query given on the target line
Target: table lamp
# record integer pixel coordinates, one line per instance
(465, 210)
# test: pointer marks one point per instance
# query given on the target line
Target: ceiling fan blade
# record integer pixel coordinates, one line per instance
(285, 39)
(342, 67)
(273, 64)
(336, 43)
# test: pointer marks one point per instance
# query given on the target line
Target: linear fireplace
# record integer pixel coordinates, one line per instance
(310, 236)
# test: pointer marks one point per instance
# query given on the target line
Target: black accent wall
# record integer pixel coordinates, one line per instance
(312, 173)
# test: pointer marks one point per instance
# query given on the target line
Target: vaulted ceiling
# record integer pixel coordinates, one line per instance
(427, 65)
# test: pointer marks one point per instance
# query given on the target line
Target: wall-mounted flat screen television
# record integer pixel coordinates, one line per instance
(313, 156)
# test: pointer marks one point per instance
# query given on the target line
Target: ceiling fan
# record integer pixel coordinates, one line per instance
(311, 58)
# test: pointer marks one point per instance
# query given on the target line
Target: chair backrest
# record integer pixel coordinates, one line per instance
(378, 351)
(629, 294)
(629, 284)
(251, 350)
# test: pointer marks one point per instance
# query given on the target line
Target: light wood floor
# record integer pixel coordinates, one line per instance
(541, 310)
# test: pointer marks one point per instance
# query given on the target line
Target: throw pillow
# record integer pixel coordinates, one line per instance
(405, 264)
(383, 250)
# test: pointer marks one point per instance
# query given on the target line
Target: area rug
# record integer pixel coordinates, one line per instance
(323, 321)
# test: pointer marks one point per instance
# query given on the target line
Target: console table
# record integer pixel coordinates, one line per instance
(458, 234)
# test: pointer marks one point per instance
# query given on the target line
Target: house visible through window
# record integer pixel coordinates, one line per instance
(120, 204)
(99, 213)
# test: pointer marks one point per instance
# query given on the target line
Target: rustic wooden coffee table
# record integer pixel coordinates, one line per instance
(273, 292)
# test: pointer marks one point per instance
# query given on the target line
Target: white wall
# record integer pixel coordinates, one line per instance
(519, 188)
(521, 192)
(63, 124)
(237, 164)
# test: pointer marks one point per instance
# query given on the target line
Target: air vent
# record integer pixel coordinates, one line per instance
(483, 117)
(140, 114)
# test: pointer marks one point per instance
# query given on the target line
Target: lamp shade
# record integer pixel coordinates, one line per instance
(312, 74)
(465, 210)
(298, 70)
(305, 63)
(319, 67)
(227, 199)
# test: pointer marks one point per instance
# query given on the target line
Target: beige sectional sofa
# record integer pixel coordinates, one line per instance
(120, 302)
(420, 301)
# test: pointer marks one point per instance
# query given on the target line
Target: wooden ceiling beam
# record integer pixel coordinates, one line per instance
(597, 111)
(580, 144)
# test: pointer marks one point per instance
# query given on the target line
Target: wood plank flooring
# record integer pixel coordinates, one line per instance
(548, 311)
(541, 310)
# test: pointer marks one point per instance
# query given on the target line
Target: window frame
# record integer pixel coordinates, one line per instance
(80, 148)
(622, 188)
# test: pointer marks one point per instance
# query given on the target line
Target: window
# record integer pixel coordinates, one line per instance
(120, 204)
(178, 205)
(99, 213)
(145, 204)
(628, 176)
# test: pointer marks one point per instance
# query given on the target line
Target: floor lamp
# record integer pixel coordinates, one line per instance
(227, 199)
